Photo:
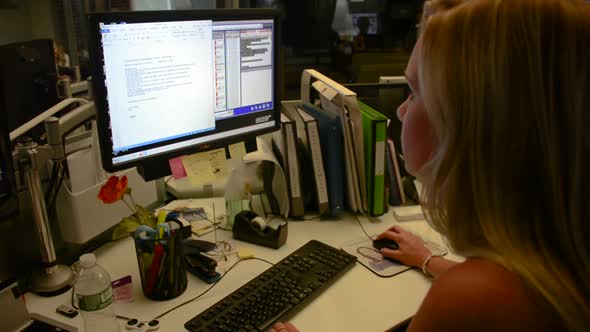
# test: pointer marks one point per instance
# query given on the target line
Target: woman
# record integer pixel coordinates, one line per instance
(497, 129)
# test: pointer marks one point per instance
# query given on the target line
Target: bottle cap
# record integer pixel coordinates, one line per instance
(87, 260)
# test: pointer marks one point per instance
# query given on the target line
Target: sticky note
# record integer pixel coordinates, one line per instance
(238, 150)
(244, 253)
(177, 168)
(205, 167)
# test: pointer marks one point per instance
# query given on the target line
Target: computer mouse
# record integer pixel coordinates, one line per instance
(385, 243)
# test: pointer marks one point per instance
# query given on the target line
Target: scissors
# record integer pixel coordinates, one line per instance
(146, 233)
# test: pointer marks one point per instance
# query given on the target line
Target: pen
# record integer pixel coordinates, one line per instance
(171, 247)
(155, 267)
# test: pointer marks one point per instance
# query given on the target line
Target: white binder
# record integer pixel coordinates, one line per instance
(313, 139)
(348, 108)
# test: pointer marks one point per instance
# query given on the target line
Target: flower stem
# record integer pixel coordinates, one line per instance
(132, 200)
(129, 206)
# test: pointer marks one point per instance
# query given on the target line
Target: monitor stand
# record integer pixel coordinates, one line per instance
(52, 278)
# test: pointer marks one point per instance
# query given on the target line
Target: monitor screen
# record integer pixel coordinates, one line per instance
(365, 21)
(169, 83)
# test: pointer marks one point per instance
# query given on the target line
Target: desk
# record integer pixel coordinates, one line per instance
(358, 301)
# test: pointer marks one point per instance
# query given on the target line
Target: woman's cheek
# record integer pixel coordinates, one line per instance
(417, 139)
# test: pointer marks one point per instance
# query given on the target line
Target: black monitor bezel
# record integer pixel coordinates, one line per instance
(98, 76)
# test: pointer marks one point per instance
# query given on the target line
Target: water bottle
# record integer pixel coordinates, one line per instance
(236, 202)
(94, 294)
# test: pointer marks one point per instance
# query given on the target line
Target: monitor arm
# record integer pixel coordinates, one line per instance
(30, 158)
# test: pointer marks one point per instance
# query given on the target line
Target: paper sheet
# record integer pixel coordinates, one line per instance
(205, 167)
(237, 151)
(408, 212)
(215, 214)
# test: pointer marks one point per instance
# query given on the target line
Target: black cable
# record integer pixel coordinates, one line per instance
(211, 287)
(53, 197)
(359, 222)
(52, 181)
(370, 238)
(52, 190)
(190, 300)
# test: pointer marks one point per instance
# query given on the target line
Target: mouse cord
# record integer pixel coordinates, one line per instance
(210, 287)
(215, 227)
(190, 300)
(359, 222)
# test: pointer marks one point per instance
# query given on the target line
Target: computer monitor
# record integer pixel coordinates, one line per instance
(169, 83)
(28, 79)
(366, 22)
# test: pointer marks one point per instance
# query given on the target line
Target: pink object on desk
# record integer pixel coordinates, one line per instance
(123, 290)
(178, 171)
(154, 268)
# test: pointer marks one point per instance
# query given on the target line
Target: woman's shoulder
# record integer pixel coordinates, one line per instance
(480, 295)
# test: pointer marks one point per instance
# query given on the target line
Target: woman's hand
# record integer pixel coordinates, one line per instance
(411, 251)
(280, 327)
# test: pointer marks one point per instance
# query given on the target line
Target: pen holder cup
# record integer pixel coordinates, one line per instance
(161, 266)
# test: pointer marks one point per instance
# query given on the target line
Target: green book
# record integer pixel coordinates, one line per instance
(375, 139)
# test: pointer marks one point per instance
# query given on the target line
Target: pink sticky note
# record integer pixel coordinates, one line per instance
(177, 168)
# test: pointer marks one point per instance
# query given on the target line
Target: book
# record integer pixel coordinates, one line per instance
(317, 161)
(374, 137)
(353, 191)
(309, 192)
(391, 180)
(283, 142)
(330, 133)
(338, 99)
(396, 172)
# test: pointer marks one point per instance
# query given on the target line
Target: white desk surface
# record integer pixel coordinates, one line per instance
(358, 301)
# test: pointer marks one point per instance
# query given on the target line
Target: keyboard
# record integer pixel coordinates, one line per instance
(278, 292)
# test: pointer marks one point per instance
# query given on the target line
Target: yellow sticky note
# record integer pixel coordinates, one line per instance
(238, 150)
(218, 163)
(244, 253)
(205, 167)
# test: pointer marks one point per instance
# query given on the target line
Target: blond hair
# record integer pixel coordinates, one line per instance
(506, 85)
(432, 7)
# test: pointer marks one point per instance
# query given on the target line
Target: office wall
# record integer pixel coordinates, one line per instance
(15, 23)
(42, 19)
(30, 19)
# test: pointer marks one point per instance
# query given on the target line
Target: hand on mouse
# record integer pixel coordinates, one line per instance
(412, 250)
(280, 327)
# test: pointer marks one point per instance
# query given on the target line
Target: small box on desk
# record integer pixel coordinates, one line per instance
(82, 216)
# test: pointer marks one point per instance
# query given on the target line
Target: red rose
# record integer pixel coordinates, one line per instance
(113, 190)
